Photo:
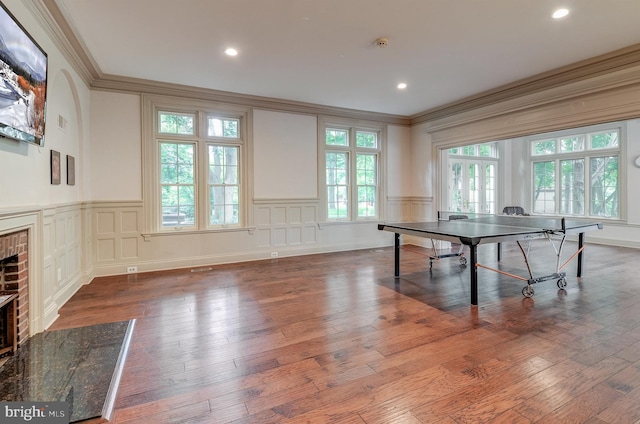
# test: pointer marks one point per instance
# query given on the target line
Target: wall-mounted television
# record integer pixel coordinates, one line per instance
(23, 82)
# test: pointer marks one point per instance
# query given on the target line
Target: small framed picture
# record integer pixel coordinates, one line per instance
(71, 170)
(55, 167)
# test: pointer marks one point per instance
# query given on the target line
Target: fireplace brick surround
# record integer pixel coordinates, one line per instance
(14, 276)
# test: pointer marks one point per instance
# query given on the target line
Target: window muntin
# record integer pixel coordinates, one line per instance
(367, 184)
(337, 171)
(604, 186)
(199, 168)
(224, 184)
(352, 173)
(576, 178)
(572, 187)
(485, 150)
(471, 184)
(177, 184)
(544, 187)
(490, 184)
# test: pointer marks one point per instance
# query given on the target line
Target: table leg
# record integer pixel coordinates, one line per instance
(580, 245)
(396, 252)
(499, 249)
(473, 269)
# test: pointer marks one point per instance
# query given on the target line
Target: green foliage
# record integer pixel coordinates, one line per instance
(337, 168)
(224, 190)
(366, 139)
(604, 186)
(366, 169)
(174, 123)
(475, 150)
(604, 140)
(336, 137)
(546, 147)
(572, 144)
(223, 127)
(177, 176)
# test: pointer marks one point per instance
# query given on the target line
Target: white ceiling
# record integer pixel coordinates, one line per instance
(323, 51)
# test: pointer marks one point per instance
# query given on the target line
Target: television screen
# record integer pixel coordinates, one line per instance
(23, 86)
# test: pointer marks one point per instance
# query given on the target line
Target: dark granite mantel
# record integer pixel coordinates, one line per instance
(80, 366)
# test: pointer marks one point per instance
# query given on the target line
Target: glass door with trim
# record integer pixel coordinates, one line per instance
(471, 183)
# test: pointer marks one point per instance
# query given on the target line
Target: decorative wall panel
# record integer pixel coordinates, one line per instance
(286, 223)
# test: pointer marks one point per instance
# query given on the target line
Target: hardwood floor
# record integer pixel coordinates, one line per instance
(333, 339)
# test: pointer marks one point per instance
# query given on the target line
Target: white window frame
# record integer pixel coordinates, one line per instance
(482, 161)
(352, 126)
(152, 137)
(587, 154)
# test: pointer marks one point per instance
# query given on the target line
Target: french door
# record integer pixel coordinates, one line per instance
(472, 185)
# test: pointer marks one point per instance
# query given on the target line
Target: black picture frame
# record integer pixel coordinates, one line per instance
(55, 167)
(71, 170)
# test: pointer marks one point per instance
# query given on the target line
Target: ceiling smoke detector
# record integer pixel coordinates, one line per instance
(382, 43)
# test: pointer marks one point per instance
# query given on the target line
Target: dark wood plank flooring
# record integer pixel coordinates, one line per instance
(334, 338)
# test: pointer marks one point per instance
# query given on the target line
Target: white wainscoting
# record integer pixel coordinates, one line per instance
(63, 268)
(117, 228)
(412, 209)
(286, 223)
(57, 268)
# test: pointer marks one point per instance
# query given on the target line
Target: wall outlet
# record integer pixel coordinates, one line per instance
(132, 269)
(59, 274)
(274, 254)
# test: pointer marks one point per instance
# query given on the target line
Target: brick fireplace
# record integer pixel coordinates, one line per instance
(14, 278)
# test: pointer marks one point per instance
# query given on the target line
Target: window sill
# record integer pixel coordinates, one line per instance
(178, 231)
(359, 222)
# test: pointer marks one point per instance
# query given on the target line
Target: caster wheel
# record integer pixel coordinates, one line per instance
(562, 283)
(527, 291)
(463, 261)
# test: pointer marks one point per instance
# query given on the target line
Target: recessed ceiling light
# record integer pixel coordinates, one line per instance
(402, 85)
(231, 52)
(560, 13)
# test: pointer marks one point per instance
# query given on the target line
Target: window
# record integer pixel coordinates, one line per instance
(177, 183)
(471, 182)
(199, 156)
(224, 184)
(352, 158)
(576, 172)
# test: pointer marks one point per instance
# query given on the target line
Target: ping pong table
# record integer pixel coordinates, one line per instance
(484, 229)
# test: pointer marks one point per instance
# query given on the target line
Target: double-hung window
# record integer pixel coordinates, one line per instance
(577, 172)
(177, 151)
(199, 161)
(352, 172)
(223, 171)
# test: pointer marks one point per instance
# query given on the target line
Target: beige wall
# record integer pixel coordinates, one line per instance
(285, 155)
(114, 169)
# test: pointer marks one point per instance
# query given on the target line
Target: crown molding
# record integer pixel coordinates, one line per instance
(56, 23)
(608, 97)
(589, 69)
(142, 86)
